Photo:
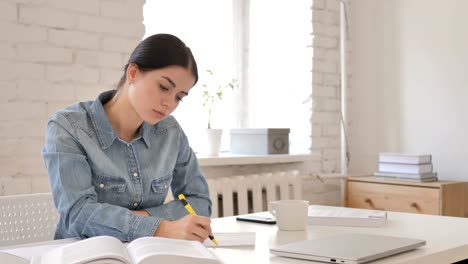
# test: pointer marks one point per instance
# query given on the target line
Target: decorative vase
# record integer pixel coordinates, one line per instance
(213, 141)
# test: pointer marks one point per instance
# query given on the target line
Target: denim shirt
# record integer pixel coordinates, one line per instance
(97, 178)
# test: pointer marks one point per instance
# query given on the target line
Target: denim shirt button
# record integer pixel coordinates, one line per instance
(101, 185)
(135, 174)
(135, 204)
(165, 186)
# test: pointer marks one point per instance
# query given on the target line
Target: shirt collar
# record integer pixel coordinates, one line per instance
(104, 130)
(145, 133)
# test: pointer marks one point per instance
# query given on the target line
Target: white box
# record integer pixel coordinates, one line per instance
(260, 141)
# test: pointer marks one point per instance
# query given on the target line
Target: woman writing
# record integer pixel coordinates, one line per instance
(111, 161)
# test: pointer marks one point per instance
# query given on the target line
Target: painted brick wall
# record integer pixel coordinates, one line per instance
(56, 52)
(326, 105)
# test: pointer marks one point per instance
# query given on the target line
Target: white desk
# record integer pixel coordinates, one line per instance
(447, 239)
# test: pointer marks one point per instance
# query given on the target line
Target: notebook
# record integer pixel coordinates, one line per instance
(347, 248)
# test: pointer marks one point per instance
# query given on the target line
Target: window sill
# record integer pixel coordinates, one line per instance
(227, 159)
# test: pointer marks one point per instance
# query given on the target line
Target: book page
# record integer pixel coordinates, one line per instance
(12, 259)
(28, 251)
(103, 248)
(154, 249)
(233, 239)
(38, 260)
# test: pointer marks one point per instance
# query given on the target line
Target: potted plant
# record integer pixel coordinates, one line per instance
(213, 91)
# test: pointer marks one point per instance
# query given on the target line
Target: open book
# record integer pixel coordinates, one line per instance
(12, 259)
(145, 250)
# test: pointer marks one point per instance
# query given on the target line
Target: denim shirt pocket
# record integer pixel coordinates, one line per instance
(110, 189)
(161, 185)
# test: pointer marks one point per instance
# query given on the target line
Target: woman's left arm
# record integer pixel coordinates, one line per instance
(187, 180)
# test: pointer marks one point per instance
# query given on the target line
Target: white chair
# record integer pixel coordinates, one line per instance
(27, 218)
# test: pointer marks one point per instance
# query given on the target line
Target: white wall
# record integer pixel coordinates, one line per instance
(409, 64)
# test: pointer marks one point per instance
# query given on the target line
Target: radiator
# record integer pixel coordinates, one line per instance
(252, 193)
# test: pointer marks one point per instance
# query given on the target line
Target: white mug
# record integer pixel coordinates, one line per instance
(291, 215)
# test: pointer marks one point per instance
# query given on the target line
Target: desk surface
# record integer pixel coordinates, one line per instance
(447, 239)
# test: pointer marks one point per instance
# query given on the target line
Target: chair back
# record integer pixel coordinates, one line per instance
(27, 218)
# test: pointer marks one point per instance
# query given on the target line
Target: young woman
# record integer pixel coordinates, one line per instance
(111, 161)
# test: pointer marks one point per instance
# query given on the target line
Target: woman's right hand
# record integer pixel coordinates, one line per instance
(189, 227)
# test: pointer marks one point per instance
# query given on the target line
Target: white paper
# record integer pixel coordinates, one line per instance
(329, 211)
(343, 216)
(232, 239)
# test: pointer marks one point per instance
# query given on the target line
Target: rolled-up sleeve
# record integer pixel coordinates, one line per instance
(75, 196)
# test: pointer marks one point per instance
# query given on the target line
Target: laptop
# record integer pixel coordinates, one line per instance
(347, 248)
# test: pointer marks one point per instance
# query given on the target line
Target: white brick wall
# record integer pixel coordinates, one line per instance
(7, 51)
(74, 39)
(118, 44)
(47, 16)
(8, 11)
(54, 53)
(13, 32)
(72, 73)
(100, 59)
(7, 90)
(90, 7)
(326, 106)
(43, 53)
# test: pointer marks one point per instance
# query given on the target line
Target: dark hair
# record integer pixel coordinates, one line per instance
(159, 51)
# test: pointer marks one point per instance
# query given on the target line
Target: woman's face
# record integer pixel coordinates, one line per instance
(155, 94)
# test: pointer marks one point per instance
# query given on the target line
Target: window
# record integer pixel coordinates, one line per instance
(280, 64)
(263, 44)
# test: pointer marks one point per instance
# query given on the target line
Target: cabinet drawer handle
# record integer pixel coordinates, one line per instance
(415, 206)
(371, 204)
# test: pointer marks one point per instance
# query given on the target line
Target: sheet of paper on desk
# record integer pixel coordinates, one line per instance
(331, 215)
(234, 239)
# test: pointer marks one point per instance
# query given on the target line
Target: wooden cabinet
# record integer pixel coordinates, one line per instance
(437, 198)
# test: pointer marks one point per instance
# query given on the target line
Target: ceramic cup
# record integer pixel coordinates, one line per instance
(291, 215)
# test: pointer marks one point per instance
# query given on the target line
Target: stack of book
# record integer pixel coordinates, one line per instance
(409, 167)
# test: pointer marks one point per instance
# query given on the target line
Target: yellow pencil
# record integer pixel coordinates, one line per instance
(192, 212)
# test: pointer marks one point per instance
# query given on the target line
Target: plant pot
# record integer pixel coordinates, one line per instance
(213, 142)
